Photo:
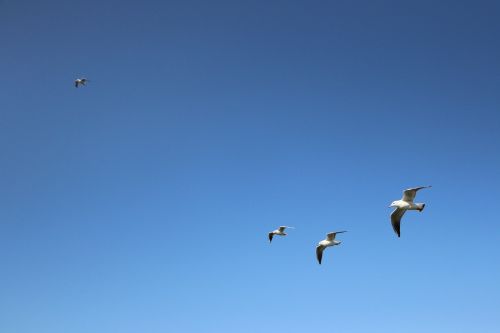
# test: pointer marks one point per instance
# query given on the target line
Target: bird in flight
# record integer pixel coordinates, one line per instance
(280, 232)
(329, 241)
(80, 82)
(406, 203)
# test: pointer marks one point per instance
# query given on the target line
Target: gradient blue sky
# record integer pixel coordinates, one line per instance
(142, 202)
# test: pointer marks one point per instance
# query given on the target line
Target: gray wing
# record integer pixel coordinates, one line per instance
(319, 253)
(331, 236)
(396, 216)
(282, 228)
(271, 237)
(409, 194)
(76, 84)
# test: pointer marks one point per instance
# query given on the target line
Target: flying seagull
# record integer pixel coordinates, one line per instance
(406, 203)
(280, 231)
(329, 241)
(80, 82)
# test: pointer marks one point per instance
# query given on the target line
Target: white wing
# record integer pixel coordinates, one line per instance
(409, 194)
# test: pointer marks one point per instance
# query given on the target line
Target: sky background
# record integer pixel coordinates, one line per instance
(142, 202)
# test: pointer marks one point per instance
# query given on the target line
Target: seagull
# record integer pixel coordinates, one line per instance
(280, 231)
(329, 241)
(81, 81)
(406, 203)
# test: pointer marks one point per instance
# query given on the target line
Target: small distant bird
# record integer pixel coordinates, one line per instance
(329, 241)
(80, 82)
(280, 232)
(406, 203)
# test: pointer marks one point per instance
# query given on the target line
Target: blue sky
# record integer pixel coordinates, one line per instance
(142, 202)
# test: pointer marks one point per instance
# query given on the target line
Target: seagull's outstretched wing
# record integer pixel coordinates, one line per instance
(76, 84)
(319, 253)
(331, 236)
(271, 234)
(409, 194)
(396, 216)
(282, 228)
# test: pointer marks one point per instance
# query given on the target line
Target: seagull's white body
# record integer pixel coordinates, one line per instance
(280, 232)
(406, 203)
(401, 204)
(80, 82)
(329, 241)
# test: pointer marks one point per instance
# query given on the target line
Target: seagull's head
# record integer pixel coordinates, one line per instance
(393, 204)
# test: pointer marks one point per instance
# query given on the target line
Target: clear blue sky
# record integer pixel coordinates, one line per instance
(142, 202)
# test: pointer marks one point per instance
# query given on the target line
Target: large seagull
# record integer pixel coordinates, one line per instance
(406, 203)
(329, 241)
